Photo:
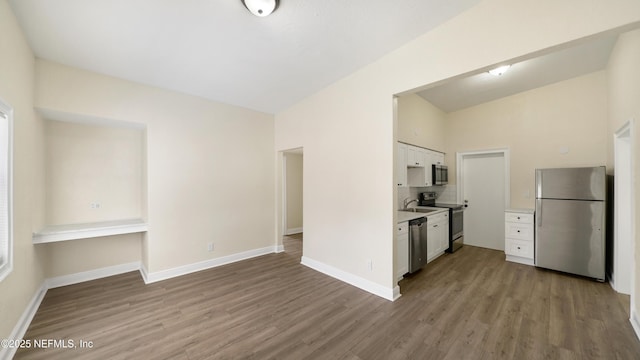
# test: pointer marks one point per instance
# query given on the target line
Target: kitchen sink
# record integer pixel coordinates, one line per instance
(420, 210)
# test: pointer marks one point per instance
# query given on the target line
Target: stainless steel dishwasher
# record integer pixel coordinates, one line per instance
(417, 244)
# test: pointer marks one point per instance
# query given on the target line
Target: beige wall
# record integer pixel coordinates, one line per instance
(88, 164)
(294, 191)
(348, 133)
(210, 166)
(535, 126)
(71, 257)
(420, 123)
(16, 88)
(208, 162)
(624, 104)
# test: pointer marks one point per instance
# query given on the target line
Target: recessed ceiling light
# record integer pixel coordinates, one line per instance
(260, 7)
(499, 70)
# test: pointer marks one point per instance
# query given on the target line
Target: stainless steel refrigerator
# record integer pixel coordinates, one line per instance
(570, 220)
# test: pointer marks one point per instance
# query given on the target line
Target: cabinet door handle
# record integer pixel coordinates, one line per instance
(435, 225)
(518, 247)
(518, 230)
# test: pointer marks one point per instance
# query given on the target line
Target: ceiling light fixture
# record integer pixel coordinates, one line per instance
(260, 7)
(499, 70)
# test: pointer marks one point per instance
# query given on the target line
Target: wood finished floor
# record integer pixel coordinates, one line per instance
(467, 305)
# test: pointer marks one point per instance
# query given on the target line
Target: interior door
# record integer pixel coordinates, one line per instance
(483, 179)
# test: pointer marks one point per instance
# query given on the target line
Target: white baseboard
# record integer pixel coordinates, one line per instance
(635, 322)
(520, 260)
(357, 281)
(293, 231)
(396, 292)
(144, 273)
(25, 320)
(279, 248)
(203, 265)
(92, 275)
(612, 282)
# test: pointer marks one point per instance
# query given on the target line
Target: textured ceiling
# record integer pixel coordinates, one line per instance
(525, 75)
(218, 50)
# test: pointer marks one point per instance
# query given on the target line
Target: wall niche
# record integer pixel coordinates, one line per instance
(95, 177)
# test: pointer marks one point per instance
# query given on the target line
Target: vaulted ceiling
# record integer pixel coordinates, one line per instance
(218, 50)
(561, 64)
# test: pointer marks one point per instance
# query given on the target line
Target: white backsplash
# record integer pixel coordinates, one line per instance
(445, 194)
(448, 194)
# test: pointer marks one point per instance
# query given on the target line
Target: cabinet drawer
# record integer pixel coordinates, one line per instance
(519, 248)
(402, 228)
(518, 218)
(438, 217)
(518, 231)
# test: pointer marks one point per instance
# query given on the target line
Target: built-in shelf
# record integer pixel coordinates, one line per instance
(55, 233)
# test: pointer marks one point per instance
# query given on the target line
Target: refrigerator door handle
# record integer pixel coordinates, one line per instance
(538, 212)
(538, 184)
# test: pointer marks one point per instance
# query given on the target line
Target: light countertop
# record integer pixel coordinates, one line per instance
(410, 215)
(521, 211)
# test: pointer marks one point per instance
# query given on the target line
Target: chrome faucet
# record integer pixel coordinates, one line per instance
(406, 203)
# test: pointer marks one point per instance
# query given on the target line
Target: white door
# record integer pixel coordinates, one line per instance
(483, 190)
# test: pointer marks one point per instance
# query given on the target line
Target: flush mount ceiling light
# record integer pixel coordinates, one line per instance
(260, 7)
(499, 70)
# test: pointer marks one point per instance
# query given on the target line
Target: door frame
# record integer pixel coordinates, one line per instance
(284, 189)
(507, 172)
(625, 134)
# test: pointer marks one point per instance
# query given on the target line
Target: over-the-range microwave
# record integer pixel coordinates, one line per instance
(440, 174)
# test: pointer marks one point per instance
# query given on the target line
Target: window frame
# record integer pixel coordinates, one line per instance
(6, 210)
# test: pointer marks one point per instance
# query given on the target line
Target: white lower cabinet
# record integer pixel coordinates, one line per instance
(437, 235)
(402, 250)
(519, 236)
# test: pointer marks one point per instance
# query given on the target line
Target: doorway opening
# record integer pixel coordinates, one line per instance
(292, 201)
(483, 186)
(622, 270)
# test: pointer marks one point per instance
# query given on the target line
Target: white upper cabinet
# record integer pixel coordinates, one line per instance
(414, 165)
(401, 165)
(428, 179)
(432, 158)
(415, 156)
(437, 158)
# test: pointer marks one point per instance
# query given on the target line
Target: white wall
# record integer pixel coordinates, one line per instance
(536, 126)
(624, 104)
(72, 257)
(348, 133)
(88, 164)
(420, 123)
(210, 170)
(16, 88)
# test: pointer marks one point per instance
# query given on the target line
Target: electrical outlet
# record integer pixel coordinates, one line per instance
(210, 246)
(95, 205)
(370, 265)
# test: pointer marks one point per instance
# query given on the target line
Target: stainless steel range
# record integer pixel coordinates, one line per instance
(456, 219)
